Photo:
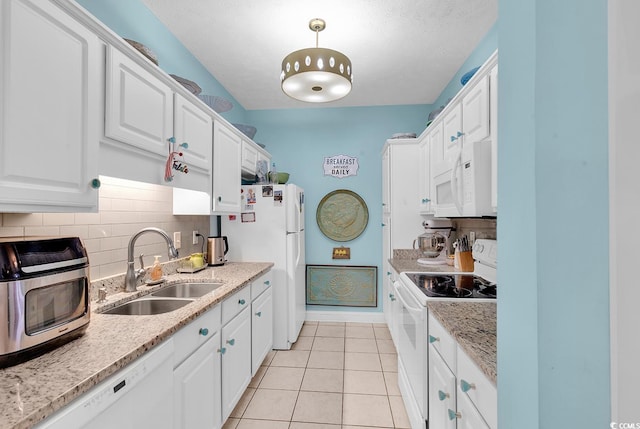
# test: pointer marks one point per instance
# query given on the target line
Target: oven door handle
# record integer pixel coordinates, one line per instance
(403, 301)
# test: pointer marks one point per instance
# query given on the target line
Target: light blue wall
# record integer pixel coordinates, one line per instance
(131, 19)
(485, 48)
(300, 139)
(553, 311)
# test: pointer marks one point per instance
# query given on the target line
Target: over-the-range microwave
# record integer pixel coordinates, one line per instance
(463, 186)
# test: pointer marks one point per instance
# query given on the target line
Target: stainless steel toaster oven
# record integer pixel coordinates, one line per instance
(44, 295)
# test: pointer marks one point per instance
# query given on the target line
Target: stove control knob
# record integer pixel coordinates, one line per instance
(478, 247)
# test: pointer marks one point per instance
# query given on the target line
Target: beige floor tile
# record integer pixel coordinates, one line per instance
(330, 331)
(365, 427)
(311, 322)
(331, 324)
(269, 357)
(386, 346)
(255, 381)
(362, 361)
(359, 325)
(302, 425)
(391, 381)
(318, 407)
(303, 343)
(262, 424)
(364, 382)
(323, 380)
(308, 330)
(382, 332)
(389, 362)
(360, 345)
(366, 410)
(231, 423)
(327, 344)
(268, 404)
(291, 358)
(399, 412)
(284, 378)
(327, 360)
(359, 332)
(242, 404)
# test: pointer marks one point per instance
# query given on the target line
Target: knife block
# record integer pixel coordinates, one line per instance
(463, 261)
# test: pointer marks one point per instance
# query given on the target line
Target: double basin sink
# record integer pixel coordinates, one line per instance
(164, 300)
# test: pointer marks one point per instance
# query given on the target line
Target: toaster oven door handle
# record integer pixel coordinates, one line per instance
(54, 265)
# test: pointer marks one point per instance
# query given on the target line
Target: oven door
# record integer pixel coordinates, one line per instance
(412, 345)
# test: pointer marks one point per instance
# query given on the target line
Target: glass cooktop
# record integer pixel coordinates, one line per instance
(453, 285)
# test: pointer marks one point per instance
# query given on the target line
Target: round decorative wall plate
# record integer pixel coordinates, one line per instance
(342, 215)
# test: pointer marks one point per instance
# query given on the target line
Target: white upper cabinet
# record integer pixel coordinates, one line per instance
(227, 148)
(49, 98)
(249, 158)
(195, 127)
(139, 107)
(475, 108)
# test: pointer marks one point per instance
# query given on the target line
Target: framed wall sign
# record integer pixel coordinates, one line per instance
(340, 166)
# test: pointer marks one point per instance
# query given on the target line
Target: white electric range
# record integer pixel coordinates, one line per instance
(413, 290)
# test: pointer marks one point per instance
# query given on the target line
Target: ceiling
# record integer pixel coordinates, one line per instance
(402, 51)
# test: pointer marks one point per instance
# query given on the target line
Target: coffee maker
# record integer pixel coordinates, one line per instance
(434, 242)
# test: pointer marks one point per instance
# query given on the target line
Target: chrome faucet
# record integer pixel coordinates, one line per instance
(131, 278)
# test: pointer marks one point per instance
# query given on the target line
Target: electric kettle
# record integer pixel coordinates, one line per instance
(217, 247)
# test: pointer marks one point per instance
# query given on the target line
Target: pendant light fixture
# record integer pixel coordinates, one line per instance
(316, 75)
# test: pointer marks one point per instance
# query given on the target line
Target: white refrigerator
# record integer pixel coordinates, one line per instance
(271, 229)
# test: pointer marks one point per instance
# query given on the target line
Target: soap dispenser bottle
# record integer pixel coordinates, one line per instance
(156, 270)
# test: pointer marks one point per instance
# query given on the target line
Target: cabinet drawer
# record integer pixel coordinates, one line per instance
(443, 342)
(192, 336)
(235, 304)
(468, 416)
(476, 386)
(260, 284)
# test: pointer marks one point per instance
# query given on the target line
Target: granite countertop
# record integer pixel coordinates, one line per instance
(473, 325)
(35, 389)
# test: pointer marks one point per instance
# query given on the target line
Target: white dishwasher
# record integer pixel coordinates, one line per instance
(138, 396)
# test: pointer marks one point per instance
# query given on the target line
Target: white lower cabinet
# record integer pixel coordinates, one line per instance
(468, 416)
(460, 395)
(236, 360)
(261, 328)
(197, 373)
(442, 392)
(196, 388)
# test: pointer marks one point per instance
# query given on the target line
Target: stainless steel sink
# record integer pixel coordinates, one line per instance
(187, 290)
(148, 306)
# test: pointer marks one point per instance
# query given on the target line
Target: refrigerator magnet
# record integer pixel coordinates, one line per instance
(248, 217)
(277, 198)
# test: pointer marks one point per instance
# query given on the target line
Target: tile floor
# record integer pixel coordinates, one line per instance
(336, 376)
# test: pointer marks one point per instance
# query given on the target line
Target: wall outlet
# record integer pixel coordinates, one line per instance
(177, 239)
(472, 238)
(194, 239)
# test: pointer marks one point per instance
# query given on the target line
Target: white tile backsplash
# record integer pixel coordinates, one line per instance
(125, 207)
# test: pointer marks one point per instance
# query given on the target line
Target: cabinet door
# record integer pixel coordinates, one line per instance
(236, 361)
(225, 195)
(475, 112)
(452, 132)
(386, 189)
(249, 158)
(442, 392)
(195, 127)
(468, 416)
(261, 329)
(196, 388)
(424, 176)
(139, 107)
(49, 95)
